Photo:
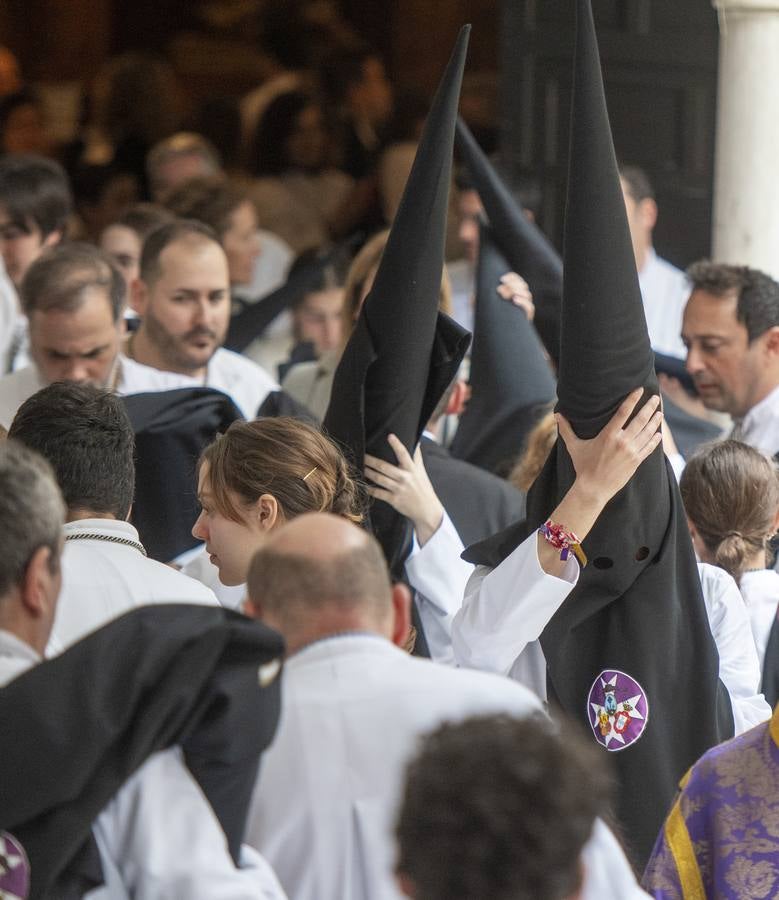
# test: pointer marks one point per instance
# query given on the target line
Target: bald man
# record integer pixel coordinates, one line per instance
(354, 705)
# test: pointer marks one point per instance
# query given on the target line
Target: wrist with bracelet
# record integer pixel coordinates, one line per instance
(564, 541)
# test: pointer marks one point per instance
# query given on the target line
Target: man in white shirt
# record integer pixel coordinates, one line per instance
(353, 707)
(86, 436)
(158, 837)
(731, 332)
(664, 288)
(74, 297)
(183, 300)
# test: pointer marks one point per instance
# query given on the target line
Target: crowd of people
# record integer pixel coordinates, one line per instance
(342, 567)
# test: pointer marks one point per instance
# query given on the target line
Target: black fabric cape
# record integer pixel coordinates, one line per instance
(526, 248)
(172, 428)
(403, 353)
(511, 380)
(638, 606)
(85, 721)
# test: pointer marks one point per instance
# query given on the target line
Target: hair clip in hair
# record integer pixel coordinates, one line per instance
(306, 477)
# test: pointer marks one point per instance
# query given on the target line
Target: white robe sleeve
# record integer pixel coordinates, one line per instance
(739, 668)
(160, 836)
(506, 608)
(438, 575)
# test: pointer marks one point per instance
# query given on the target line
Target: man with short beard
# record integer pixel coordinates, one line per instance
(183, 299)
(73, 297)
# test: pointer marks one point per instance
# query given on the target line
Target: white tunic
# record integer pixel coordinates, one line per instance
(102, 580)
(353, 709)
(665, 291)
(760, 591)
(506, 609)
(158, 837)
(760, 426)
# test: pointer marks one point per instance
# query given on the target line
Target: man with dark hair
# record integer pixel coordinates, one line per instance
(524, 817)
(183, 299)
(86, 436)
(35, 204)
(353, 706)
(73, 297)
(664, 288)
(731, 332)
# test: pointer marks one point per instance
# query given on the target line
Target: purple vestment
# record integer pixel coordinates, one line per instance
(721, 839)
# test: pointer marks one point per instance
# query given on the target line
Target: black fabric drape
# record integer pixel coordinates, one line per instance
(86, 720)
(172, 428)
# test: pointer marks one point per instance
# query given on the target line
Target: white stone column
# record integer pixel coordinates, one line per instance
(746, 186)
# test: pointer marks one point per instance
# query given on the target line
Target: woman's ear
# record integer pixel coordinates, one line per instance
(268, 512)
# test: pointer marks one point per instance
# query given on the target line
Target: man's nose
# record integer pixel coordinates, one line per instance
(694, 362)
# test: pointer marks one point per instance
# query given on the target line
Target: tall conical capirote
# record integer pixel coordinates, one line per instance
(636, 620)
(605, 349)
(402, 353)
(526, 248)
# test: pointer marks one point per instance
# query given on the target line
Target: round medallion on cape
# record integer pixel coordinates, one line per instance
(618, 709)
(14, 869)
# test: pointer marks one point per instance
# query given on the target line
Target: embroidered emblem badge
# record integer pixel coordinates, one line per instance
(618, 709)
(14, 869)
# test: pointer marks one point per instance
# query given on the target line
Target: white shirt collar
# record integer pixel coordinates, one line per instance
(337, 645)
(108, 527)
(11, 645)
(760, 426)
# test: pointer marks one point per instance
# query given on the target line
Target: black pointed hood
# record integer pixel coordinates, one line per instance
(389, 353)
(400, 311)
(605, 343)
(403, 353)
(511, 380)
(636, 618)
(526, 248)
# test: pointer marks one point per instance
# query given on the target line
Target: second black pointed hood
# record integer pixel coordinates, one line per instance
(511, 380)
(526, 248)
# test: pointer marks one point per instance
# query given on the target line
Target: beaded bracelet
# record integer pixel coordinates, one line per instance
(564, 541)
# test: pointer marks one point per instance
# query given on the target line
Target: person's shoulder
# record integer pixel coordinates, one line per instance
(722, 757)
(301, 375)
(175, 584)
(137, 378)
(670, 272)
(21, 378)
(15, 388)
(472, 690)
(228, 362)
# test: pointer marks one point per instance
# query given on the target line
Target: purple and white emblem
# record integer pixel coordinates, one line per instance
(14, 869)
(618, 709)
